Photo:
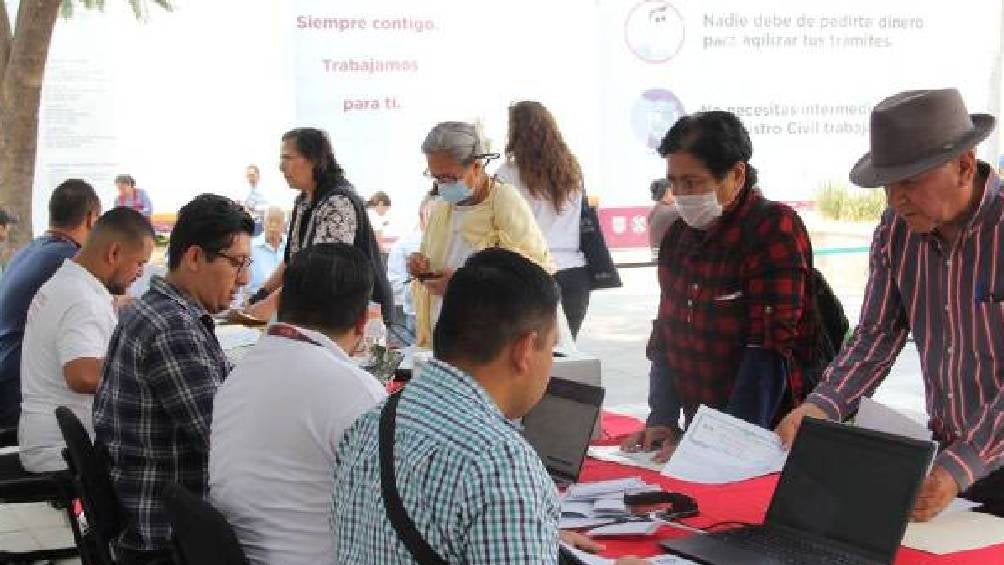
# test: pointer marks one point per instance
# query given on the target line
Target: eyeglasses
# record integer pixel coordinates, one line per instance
(239, 263)
(444, 179)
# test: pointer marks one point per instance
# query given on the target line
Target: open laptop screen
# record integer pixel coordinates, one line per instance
(850, 485)
(560, 426)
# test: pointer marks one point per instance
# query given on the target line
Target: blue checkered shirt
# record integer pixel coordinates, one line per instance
(154, 406)
(475, 489)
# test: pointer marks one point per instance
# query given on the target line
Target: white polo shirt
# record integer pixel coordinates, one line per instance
(71, 317)
(277, 422)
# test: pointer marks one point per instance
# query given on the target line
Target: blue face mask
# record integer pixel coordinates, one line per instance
(454, 192)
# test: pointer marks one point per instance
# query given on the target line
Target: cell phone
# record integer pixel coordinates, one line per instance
(427, 276)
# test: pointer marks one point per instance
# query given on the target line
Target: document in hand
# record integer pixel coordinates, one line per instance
(879, 417)
(641, 459)
(718, 449)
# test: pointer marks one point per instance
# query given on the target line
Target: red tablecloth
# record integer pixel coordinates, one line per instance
(746, 501)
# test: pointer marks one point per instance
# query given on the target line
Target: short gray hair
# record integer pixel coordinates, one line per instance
(460, 141)
(275, 212)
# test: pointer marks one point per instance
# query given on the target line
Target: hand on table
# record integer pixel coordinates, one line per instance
(937, 492)
(579, 541)
(788, 427)
(662, 438)
(437, 286)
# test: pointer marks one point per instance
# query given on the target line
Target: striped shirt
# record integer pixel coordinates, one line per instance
(951, 296)
(475, 489)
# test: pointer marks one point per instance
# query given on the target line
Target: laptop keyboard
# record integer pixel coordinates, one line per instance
(789, 548)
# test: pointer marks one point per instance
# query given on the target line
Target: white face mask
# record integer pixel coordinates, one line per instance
(699, 210)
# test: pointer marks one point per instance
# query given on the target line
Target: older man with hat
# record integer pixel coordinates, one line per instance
(936, 270)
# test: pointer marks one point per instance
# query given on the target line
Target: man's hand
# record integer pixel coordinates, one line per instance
(579, 541)
(437, 286)
(121, 301)
(662, 438)
(788, 427)
(937, 492)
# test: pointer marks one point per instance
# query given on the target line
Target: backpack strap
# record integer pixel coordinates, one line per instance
(405, 528)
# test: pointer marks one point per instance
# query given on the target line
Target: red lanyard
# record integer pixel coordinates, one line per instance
(289, 332)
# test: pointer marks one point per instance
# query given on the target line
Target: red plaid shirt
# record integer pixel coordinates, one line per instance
(729, 287)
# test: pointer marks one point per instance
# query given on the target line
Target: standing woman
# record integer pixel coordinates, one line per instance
(540, 166)
(327, 210)
(474, 212)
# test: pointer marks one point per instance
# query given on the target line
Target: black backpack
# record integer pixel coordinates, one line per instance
(828, 318)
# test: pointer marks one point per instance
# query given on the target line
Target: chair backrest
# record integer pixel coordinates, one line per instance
(202, 536)
(88, 464)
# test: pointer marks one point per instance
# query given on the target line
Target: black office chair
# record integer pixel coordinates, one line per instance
(18, 486)
(202, 536)
(88, 466)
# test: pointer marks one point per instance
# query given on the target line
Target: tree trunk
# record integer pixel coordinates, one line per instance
(20, 93)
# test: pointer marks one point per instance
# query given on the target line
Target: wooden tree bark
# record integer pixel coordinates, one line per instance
(22, 67)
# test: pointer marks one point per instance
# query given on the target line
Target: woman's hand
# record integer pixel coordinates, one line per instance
(418, 264)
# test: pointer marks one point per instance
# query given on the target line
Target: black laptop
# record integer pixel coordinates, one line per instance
(561, 425)
(844, 497)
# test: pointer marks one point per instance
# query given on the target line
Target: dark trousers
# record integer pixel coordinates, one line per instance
(574, 284)
(989, 491)
(133, 557)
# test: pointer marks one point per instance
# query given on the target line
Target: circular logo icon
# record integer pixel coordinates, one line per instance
(653, 114)
(654, 31)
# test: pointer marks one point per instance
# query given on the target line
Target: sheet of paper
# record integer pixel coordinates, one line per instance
(955, 531)
(610, 507)
(877, 416)
(232, 336)
(577, 508)
(718, 449)
(590, 491)
(641, 459)
(960, 505)
(587, 558)
(575, 523)
(624, 529)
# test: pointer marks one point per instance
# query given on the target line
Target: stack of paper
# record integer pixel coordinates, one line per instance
(718, 448)
(587, 505)
(955, 531)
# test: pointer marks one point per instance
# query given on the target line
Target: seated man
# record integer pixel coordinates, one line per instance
(934, 273)
(69, 324)
(73, 209)
(154, 405)
(475, 490)
(272, 476)
(268, 249)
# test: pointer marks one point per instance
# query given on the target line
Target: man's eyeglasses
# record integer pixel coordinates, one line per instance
(238, 263)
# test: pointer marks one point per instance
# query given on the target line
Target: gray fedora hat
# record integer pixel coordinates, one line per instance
(916, 131)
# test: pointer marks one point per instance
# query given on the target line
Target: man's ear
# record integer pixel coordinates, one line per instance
(113, 252)
(192, 257)
(360, 324)
(521, 352)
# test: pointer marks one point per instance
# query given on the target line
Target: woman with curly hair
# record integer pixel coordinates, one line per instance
(540, 166)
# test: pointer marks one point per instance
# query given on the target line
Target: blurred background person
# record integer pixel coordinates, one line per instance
(268, 249)
(132, 197)
(548, 176)
(255, 202)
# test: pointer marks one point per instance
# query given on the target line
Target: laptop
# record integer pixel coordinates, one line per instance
(560, 426)
(844, 497)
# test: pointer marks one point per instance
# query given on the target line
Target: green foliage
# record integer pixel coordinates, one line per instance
(139, 7)
(838, 202)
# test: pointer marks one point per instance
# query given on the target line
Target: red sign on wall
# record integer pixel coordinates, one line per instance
(625, 227)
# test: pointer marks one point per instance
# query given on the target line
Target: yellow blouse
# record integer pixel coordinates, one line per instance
(503, 220)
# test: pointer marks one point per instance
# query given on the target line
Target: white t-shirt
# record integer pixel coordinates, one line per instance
(71, 317)
(561, 229)
(277, 422)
